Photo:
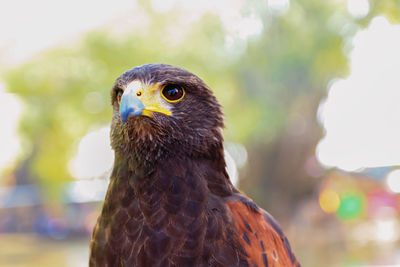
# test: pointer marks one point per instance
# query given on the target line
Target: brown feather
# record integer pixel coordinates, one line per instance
(170, 201)
(264, 244)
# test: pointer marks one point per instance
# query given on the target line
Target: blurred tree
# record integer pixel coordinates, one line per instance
(286, 72)
(270, 86)
(66, 90)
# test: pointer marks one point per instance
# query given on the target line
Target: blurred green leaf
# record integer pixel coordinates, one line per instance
(268, 87)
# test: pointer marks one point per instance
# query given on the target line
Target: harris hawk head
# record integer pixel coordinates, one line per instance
(161, 109)
(170, 201)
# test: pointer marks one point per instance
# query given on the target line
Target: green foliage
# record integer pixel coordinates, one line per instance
(283, 71)
(66, 91)
(296, 56)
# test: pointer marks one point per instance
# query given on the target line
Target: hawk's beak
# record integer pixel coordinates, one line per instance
(130, 106)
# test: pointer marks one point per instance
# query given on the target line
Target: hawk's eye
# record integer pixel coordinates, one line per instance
(119, 95)
(172, 93)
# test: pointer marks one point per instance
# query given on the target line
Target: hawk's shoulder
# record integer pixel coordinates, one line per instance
(260, 235)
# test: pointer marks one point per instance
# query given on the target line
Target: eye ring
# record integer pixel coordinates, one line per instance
(119, 94)
(172, 93)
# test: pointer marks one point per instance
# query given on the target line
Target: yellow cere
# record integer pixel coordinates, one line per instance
(151, 98)
(329, 201)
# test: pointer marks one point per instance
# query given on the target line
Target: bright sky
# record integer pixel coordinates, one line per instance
(28, 27)
(361, 115)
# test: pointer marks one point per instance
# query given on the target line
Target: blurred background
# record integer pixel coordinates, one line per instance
(311, 97)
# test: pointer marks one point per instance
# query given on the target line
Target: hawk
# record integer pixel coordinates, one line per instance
(170, 201)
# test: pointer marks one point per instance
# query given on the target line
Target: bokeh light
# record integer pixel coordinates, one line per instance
(86, 191)
(393, 181)
(95, 156)
(358, 8)
(329, 201)
(360, 115)
(10, 112)
(387, 230)
(278, 6)
(352, 205)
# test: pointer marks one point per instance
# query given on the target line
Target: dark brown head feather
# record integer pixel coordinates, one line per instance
(193, 129)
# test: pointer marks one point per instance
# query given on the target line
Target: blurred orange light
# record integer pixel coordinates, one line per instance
(329, 201)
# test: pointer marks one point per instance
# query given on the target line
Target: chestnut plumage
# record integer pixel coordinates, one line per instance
(170, 201)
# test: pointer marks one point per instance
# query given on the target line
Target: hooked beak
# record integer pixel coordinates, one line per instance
(146, 104)
(130, 106)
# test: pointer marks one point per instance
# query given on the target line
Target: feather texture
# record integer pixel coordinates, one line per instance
(170, 201)
(261, 237)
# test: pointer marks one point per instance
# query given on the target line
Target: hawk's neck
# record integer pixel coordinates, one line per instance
(179, 178)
